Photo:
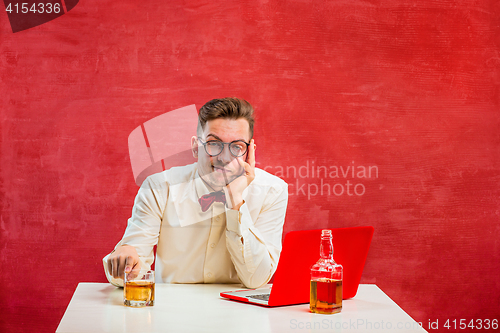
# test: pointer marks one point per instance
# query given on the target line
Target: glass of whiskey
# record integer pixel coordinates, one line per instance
(139, 288)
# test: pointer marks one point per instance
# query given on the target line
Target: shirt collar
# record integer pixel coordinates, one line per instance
(199, 185)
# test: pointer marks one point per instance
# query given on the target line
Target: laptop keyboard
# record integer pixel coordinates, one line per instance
(263, 297)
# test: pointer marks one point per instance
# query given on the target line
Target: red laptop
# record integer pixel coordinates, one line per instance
(300, 252)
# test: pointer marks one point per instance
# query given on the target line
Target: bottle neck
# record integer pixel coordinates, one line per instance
(326, 248)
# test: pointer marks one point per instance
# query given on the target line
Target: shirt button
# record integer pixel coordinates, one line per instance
(209, 275)
(217, 219)
(212, 245)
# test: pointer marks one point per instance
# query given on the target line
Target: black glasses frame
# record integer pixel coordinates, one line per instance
(223, 144)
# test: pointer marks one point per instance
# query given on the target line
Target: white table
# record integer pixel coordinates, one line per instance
(98, 307)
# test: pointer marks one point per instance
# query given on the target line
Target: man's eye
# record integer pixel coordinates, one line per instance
(213, 144)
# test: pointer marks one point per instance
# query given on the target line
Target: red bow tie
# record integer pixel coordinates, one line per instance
(208, 199)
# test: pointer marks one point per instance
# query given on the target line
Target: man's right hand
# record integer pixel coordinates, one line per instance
(123, 259)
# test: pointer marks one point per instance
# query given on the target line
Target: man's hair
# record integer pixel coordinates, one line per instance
(228, 108)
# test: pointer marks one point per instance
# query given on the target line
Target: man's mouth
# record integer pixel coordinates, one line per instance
(220, 169)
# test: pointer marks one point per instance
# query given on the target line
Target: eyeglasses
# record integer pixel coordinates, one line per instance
(237, 148)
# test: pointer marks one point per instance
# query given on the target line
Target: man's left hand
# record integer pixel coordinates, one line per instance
(238, 185)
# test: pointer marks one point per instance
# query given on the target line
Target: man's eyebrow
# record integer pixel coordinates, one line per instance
(215, 136)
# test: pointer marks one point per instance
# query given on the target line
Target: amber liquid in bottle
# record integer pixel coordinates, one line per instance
(326, 296)
(326, 280)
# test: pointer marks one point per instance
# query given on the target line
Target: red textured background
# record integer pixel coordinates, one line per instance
(411, 87)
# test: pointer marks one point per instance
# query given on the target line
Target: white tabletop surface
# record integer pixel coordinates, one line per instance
(98, 307)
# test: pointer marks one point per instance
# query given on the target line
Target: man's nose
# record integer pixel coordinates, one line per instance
(225, 156)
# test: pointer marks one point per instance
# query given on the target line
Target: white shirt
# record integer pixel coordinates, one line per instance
(220, 245)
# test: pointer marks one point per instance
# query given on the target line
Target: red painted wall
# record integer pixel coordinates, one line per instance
(408, 88)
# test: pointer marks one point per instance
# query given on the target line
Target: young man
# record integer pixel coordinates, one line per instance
(219, 220)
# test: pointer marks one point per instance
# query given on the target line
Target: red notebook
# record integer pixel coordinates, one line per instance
(300, 252)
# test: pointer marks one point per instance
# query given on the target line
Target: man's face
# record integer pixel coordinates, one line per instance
(220, 170)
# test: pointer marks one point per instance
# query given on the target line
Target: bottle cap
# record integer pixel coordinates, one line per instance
(326, 233)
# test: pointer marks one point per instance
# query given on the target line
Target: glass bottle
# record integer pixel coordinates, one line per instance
(326, 279)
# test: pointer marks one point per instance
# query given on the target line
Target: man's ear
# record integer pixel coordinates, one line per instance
(194, 146)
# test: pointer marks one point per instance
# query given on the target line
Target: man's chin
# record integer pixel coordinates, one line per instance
(220, 180)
